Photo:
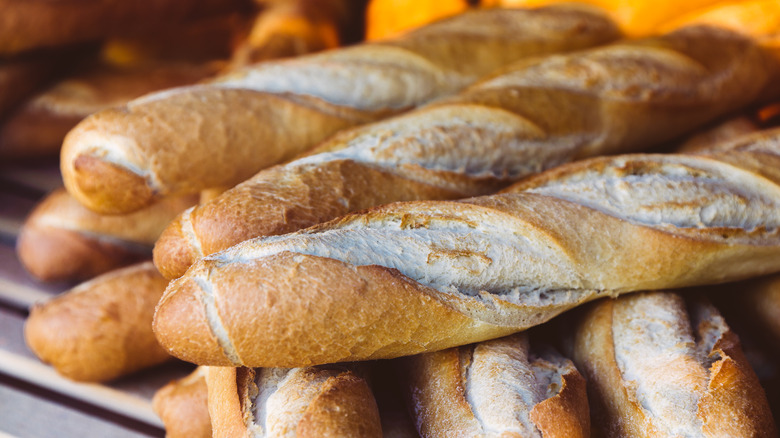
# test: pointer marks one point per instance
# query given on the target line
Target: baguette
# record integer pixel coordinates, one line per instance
(31, 24)
(183, 406)
(498, 388)
(101, 329)
(301, 402)
(62, 240)
(422, 276)
(219, 134)
(657, 370)
(525, 119)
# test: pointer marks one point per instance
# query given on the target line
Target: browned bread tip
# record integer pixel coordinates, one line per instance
(219, 134)
(62, 240)
(101, 329)
(183, 406)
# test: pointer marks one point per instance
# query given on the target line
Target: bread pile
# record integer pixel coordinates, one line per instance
(433, 200)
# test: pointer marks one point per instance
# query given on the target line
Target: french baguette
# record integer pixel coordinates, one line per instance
(100, 329)
(62, 240)
(657, 369)
(221, 133)
(498, 388)
(183, 406)
(527, 118)
(422, 276)
(329, 401)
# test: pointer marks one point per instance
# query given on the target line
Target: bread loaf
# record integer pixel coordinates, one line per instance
(100, 329)
(300, 402)
(498, 388)
(219, 134)
(183, 406)
(655, 369)
(530, 117)
(423, 276)
(62, 240)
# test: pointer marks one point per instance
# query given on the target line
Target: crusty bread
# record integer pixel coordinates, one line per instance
(655, 369)
(219, 134)
(422, 276)
(529, 117)
(183, 406)
(497, 388)
(328, 401)
(62, 240)
(100, 329)
(37, 128)
(30, 24)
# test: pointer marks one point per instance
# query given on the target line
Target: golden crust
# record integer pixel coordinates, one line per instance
(101, 329)
(62, 240)
(183, 406)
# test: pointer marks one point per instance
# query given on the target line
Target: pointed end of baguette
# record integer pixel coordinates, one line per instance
(173, 253)
(105, 187)
(181, 325)
(96, 167)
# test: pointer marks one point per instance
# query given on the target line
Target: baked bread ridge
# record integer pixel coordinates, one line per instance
(497, 388)
(690, 378)
(305, 402)
(182, 405)
(191, 138)
(62, 240)
(421, 276)
(100, 329)
(504, 127)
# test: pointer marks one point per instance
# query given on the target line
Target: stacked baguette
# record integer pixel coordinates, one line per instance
(187, 139)
(528, 117)
(440, 274)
